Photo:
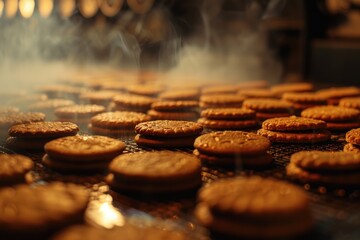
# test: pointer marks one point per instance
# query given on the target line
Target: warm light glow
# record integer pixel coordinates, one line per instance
(88, 8)
(11, 7)
(26, 8)
(66, 7)
(1, 7)
(45, 7)
(111, 7)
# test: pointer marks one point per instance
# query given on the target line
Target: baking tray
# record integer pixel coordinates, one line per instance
(336, 211)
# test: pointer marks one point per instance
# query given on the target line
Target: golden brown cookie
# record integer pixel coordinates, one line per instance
(184, 116)
(341, 179)
(133, 102)
(219, 89)
(76, 112)
(155, 172)
(232, 143)
(331, 113)
(26, 144)
(44, 130)
(351, 148)
(145, 90)
(353, 136)
(313, 136)
(14, 169)
(336, 93)
(174, 106)
(350, 103)
(232, 124)
(80, 232)
(10, 119)
(240, 207)
(292, 87)
(293, 124)
(118, 120)
(84, 148)
(181, 95)
(228, 113)
(35, 212)
(268, 105)
(305, 98)
(221, 101)
(326, 160)
(168, 128)
(257, 93)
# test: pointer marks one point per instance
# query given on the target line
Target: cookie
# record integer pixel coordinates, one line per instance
(305, 98)
(155, 172)
(145, 90)
(341, 179)
(221, 101)
(333, 95)
(240, 207)
(116, 123)
(353, 136)
(80, 232)
(35, 212)
(217, 124)
(164, 142)
(48, 106)
(268, 105)
(181, 95)
(293, 124)
(26, 144)
(228, 113)
(232, 143)
(133, 102)
(257, 93)
(331, 113)
(14, 169)
(7, 110)
(168, 128)
(174, 106)
(10, 119)
(313, 136)
(43, 130)
(219, 89)
(351, 148)
(350, 103)
(84, 148)
(326, 161)
(185, 116)
(102, 97)
(292, 87)
(76, 112)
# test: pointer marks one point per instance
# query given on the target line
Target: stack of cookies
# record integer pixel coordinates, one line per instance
(254, 208)
(132, 102)
(340, 169)
(295, 130)
(228, 118)
(155, 172)
(79, 114)
(301, 101)
(174, 110)
(266, 108)
(221, 101)
(353, 141)
(167, 133)
(233, 148)
(116, 124)
(336, 118)
(15, 169)
(81, 153)
(33, 136)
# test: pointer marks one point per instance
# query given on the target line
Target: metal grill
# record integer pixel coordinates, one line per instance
(336, 211)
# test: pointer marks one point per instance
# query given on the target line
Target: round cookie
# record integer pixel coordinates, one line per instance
(174, 106)
(257, 93)
(118, 120)
(240, 207)
(185, 116)
(292, 87)
(267, 105)
(353, 136)
(328, 161)
(44, 130)
(232, 143)
(26, 144)
(221, 100)
(157, 171)
(34, 212)
(350, 103)
(10, 119)
(331, 113)
(168, 128)
(84, 148)
(315, 136)
(228, 113)
(14, 168)
(102, 97)
(145, 90)
(217, 124)
(336, 93)
(80, 232)
(351, 148)
(79, 111)
(305, 98)
(219, 89)
(180, 95)
(293, 124)
(133, 101)
(159, 142)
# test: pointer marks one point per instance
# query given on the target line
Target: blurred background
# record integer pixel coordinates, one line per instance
(276, 40)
